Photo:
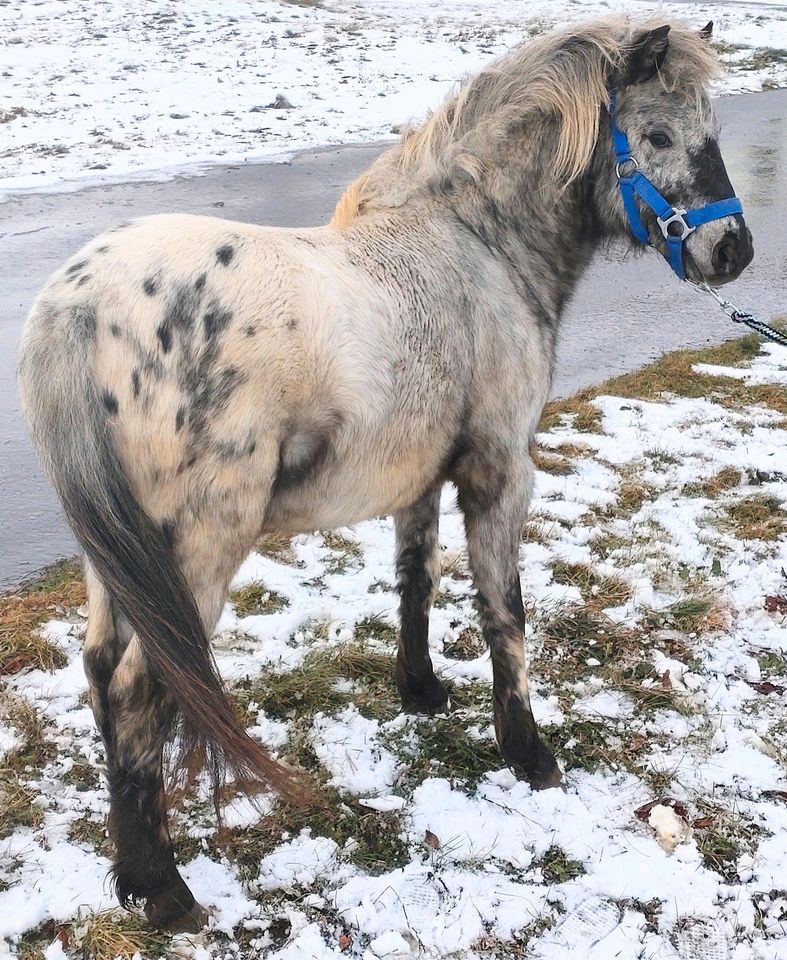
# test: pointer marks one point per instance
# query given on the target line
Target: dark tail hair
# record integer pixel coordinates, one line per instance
(129, 552)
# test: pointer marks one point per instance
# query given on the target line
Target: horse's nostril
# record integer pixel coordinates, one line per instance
(725, 256)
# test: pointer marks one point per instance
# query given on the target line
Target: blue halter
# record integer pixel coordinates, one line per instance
(676, 223)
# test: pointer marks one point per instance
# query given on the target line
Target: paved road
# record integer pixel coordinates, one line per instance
(625, 314)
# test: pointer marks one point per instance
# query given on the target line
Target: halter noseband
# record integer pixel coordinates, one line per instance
(676, 223)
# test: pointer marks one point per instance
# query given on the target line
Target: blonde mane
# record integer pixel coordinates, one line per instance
(564, 74)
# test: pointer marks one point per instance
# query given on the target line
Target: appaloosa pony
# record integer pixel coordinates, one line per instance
(192, 382)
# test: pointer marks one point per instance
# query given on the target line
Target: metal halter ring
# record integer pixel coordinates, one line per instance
(679, 217)
(621, 163)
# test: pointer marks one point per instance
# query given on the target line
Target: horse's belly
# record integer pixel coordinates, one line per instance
(353, 491)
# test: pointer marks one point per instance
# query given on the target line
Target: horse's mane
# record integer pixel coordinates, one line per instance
(563, 74)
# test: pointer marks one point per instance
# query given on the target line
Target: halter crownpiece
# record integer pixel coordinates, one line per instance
(676, 223)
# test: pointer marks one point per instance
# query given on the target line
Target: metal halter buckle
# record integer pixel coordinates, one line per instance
(621, 163)
(678, 216)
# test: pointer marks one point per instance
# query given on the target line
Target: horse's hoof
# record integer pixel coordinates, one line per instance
(538, 767)
(427, 696)
(164, 913)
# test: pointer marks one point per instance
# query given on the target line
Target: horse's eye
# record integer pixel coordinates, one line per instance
(659, 139)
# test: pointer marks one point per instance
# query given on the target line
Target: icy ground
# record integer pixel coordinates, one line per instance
(118, 89)
(658, 634)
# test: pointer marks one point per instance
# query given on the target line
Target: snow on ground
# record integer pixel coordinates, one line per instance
(658, 632)
(98, 90)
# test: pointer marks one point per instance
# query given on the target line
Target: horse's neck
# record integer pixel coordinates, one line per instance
(547, 233)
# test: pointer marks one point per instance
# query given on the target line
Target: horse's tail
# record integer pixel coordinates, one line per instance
(129, 552)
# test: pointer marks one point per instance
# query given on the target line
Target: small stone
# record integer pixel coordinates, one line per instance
(281, 103)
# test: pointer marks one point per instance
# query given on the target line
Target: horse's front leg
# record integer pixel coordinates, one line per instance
(494, 499)
(418, 576)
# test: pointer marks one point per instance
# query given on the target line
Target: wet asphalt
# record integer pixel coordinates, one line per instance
(627, 311)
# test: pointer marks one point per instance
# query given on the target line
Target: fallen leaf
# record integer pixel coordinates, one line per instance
(345, 941)
(765, 687)
(431, 840)
(643, 812)
(776, 604)
(702, 823)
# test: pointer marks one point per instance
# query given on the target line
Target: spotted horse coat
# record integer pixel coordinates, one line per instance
(192, 383)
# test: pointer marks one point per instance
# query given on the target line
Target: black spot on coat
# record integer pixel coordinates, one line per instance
(216, 319)
(150, 286)
(110, 402)
(85, 321)
(225, 253)
(135, 383)
(165, 336)
(75, 267)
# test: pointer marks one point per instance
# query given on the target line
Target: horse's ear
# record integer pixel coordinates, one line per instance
(707, 31)
(646, 54)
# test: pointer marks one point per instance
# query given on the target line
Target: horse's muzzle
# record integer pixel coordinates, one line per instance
(731, 255)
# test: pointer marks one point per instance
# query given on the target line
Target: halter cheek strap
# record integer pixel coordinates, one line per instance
(676, 223)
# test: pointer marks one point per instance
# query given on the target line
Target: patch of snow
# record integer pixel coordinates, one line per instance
(96, 92)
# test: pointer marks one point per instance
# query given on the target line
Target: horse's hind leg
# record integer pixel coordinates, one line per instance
(493, 498)
(142, 717)
(134, 717)
(144, 864)
(418, 574)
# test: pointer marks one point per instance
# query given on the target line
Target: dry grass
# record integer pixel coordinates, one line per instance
(712, 487)
(278, 546)
(316, 685)
(344, 552)
(576, 635)
(468, 645)
(370, 839)
(596, 589)
(537, 531)
(445, 747)
(453, 564)
(549, 462)
(606, 543)
(574, 450)
(20, 766)
(694, 614)
(729, 835)
(58, 592)
(583, 416)
(632, 494)
(256, 598)
(518, 946)
(759, 517)
(91, 832)
(115, 933)
(672, 375)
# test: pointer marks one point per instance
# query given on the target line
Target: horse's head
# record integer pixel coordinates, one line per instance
(664, 113)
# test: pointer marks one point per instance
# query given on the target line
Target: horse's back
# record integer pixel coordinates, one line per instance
(195, 344)
(231, 354)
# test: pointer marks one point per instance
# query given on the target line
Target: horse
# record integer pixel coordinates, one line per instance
(192, 383)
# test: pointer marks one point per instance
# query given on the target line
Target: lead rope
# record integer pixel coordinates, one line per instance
(741, 316)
